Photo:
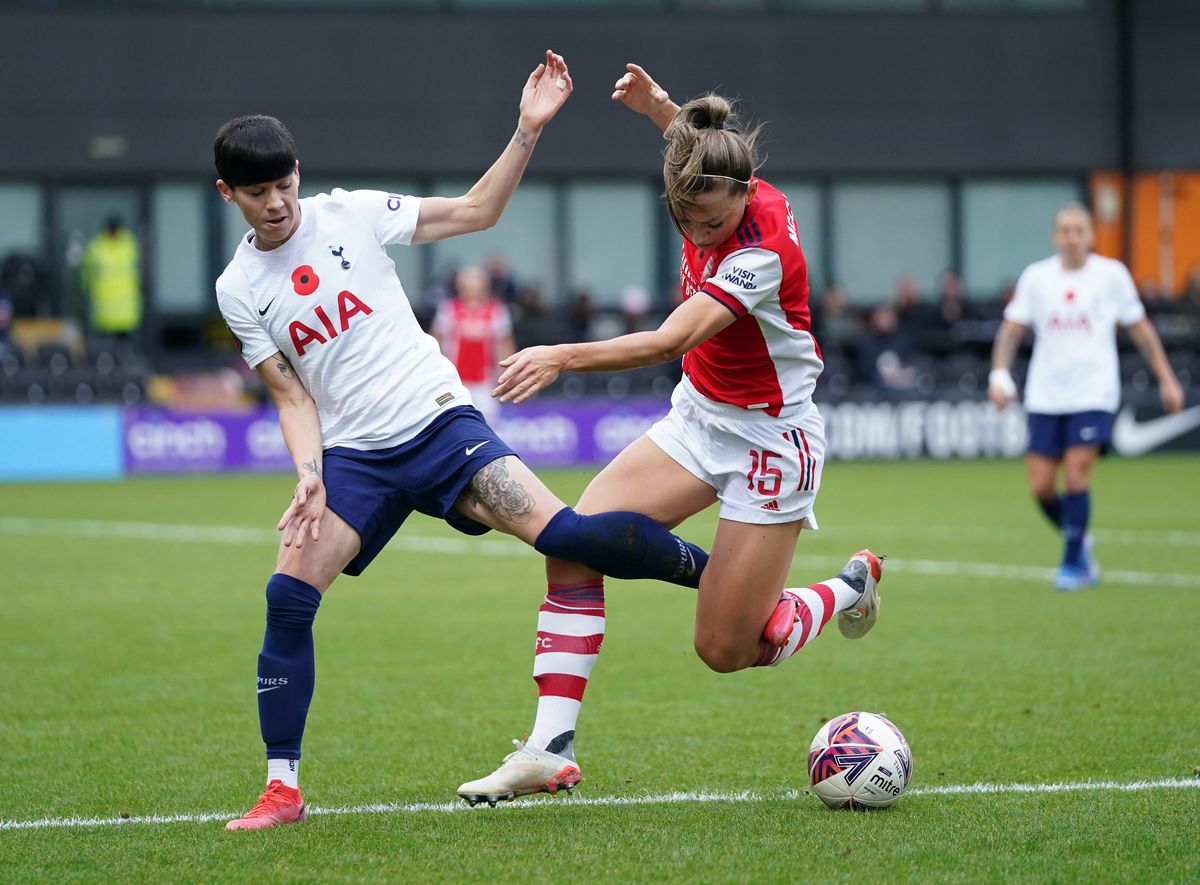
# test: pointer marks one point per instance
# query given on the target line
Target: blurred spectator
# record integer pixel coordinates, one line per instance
(535, 323)
(885, 353)
(912, 315)
(504, 286)
(952, 300)
(111, 278)
(474, 330)
(835, 325)
(946, 321)
(581, 317)
(635, 309)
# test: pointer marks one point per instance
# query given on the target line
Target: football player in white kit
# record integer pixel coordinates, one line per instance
(376, 419)
(742, 431)
(1074, 301)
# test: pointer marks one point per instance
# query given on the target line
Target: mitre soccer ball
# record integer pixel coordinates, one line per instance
(859, 760)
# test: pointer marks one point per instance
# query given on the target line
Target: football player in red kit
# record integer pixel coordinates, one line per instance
(742, 431)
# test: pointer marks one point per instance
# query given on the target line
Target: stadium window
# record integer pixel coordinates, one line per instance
(80, 212)
(805, 199)
(525, 236)
(611, 239)
(885, 230)
(179, 271)
(1006, 225)
(20, 218)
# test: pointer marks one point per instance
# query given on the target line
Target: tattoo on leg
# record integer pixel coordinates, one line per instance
(494, 487)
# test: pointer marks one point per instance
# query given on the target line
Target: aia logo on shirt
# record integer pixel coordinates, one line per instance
(305, 334)
(1069, 323)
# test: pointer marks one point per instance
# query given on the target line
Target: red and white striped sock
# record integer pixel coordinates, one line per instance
(570, 632)
(815, 605)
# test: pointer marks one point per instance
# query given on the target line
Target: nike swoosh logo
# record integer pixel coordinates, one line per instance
(263, 312)
(471, 450)
(1133, 438)
(272, 688)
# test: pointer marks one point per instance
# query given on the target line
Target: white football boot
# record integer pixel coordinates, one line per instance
(524, 771)
(856, 621)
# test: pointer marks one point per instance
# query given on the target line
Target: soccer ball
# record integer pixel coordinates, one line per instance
(859, 760)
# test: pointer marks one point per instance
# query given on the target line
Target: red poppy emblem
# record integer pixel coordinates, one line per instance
(305, 280)
(1070, 296)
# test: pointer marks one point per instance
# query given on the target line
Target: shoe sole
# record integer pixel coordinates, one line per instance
(303, 815)
(857, 628)
(566, 779)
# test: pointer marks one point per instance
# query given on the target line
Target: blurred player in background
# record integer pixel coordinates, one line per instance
(376, 420)
(742, 431)
(474, 330)
(1074, 301)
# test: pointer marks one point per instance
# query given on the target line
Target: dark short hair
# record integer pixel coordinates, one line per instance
(252, 149)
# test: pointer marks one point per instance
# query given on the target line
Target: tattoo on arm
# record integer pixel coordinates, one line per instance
(494, 487)
(522, 138)
(285, 368)
(311, 467)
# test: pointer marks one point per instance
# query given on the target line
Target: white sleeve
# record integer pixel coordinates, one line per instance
(745, 279)
(392, 217)
(252, 337)
(1020, 309)
(1129, 305)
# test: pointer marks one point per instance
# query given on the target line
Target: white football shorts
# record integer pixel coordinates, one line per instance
(766, 470)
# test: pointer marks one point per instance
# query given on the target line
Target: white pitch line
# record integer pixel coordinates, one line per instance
(597, 801)
(503, 546)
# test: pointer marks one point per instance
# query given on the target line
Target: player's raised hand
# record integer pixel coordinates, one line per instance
(528, 371)
(303, 515)
(545, 92)
(637, 91)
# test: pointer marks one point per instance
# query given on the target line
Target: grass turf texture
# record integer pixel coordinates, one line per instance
(128, 664)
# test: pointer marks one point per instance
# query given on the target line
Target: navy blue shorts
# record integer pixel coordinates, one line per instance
(376, 491)
(1051, 435)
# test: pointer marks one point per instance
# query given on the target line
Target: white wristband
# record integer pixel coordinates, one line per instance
(1002, 380)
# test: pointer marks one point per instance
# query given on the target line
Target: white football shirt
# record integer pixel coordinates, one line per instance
(330, 301)
(1074, 315)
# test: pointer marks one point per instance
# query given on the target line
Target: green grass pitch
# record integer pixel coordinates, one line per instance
(132, 615)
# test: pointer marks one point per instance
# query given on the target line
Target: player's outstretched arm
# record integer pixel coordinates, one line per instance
(1145, 338)
(546, 90)
(302, 432)
(637, 91)
(536, 368)
(1002, 389)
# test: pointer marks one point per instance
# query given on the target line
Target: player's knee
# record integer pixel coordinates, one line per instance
(1042, 489)
(291, 603)
(720, 654)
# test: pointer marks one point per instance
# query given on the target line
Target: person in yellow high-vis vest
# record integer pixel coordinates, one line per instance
(112, 280)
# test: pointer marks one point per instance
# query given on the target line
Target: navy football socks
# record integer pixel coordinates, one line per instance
(622, 544)
(1052, 507)
(1076, 509)
(286, 668)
